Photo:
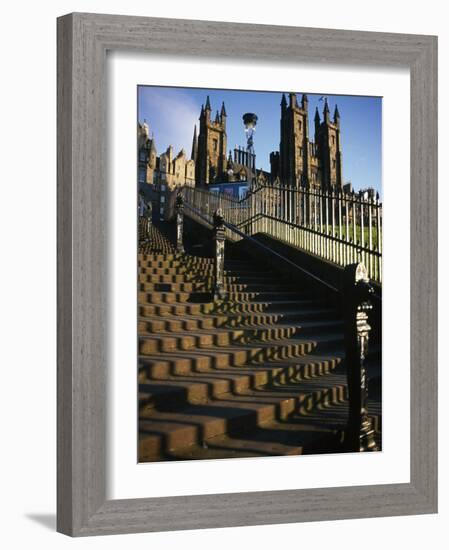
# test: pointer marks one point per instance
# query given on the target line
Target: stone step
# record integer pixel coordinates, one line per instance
(175, 323)
(204, 277)
(155, 382)
(242, 352)
(174, 260)
(314, 363)
(258, 352)
(258, 374)
(219, 337)
(186, 256)
(314, 433)
(318, 432)
(204, 271)
(168, 431)
(153, 343)
(175, 264)
(156, 238)
(223, 308)
(172, 255)
(204, 286)
(154, 242)
(278, 438)
(336, 414)
(200, 273)
(229, 414)
(157, 297)
(251, 445)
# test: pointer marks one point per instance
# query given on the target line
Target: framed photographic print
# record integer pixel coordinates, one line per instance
(246, 274)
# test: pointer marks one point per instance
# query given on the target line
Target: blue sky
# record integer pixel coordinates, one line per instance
(172, 113)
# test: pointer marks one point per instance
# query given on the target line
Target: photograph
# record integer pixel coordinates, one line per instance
(233, 343)
(259, 273)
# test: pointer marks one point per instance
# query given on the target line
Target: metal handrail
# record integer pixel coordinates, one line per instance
(339, 227)
(266, 248)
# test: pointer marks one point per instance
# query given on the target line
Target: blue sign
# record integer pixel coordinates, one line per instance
(237, 190)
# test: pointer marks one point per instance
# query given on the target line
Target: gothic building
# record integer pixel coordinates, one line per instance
(300, 161)
(211, 162)
(147, 154)
(176, 170)
(167, 168)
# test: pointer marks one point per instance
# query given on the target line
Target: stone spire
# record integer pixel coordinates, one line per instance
(194, 145)
(293, 102)
(336, 116)
(304, 101)
(326, 111)
(317, 120)
(283, 101)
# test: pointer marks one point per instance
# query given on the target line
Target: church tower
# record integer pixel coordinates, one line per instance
(294, 162)
(328, 141)
(211, 160)
(300, 161)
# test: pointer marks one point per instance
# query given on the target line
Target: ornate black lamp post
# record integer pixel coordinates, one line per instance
(250, 121)
(357, 296)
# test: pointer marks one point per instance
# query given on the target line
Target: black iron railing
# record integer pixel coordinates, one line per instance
(343, 228)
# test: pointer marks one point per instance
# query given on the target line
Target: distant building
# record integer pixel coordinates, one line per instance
(368, 194)
(347, 187)
(211, 161)
(175, 171)
(241, 166)
(147, 154)
(301, 162)
(165, 169)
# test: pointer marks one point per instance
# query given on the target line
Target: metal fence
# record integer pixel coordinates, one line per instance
(342, 228)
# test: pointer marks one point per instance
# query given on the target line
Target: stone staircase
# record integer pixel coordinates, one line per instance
(258, 374)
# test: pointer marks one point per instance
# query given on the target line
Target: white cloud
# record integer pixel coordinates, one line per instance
(171, 116)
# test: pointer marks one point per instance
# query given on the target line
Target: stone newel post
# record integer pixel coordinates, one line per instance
(179, 208)
(149, 217)
(219, 238)
(357, 298)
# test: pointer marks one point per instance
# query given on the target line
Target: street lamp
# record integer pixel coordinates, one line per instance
(250, 121)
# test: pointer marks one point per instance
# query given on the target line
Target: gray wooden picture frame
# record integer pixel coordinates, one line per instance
(83, 40)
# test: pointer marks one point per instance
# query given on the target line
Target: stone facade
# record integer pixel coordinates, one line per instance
(301, 162)
(148, 159)
(167, 169)
(176, 171)
(211, 161)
